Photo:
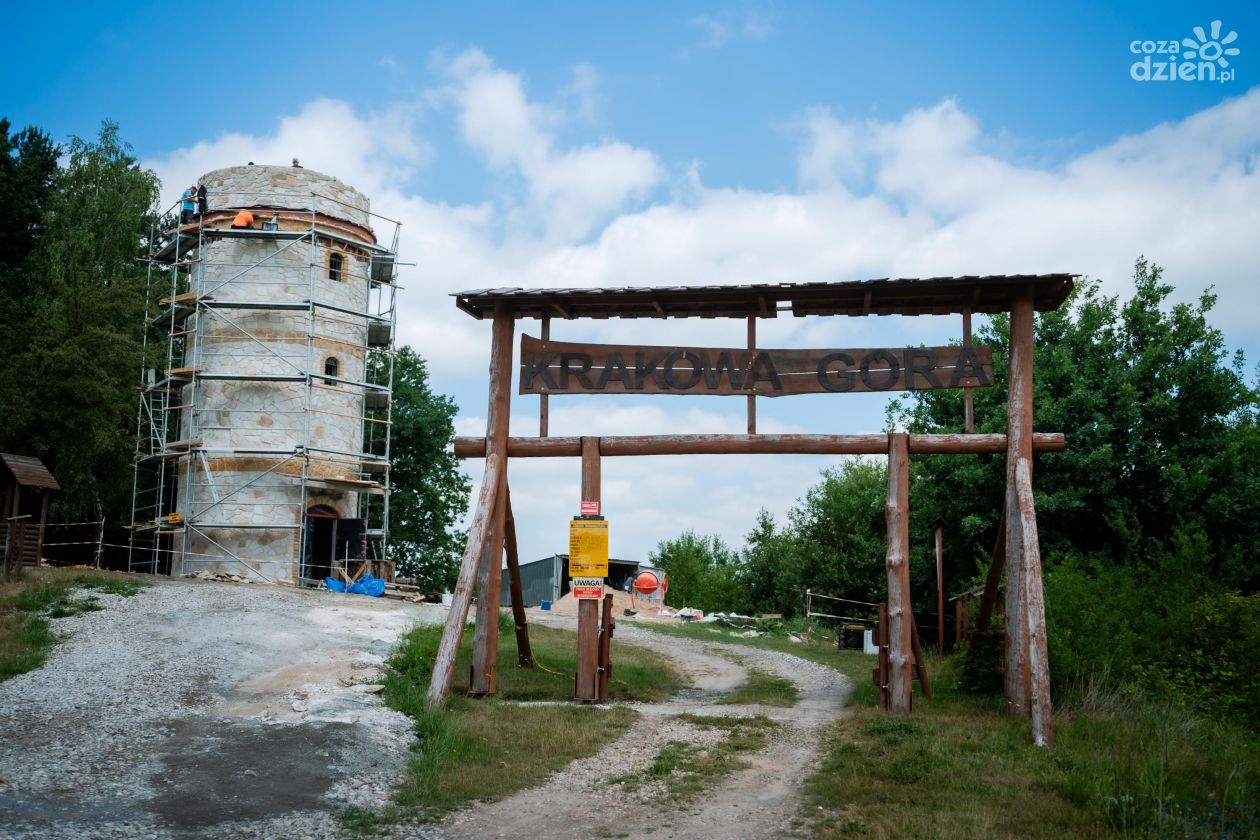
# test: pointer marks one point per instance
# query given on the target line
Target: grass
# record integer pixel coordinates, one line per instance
(484, 749)
(27, 605)
(686, 770)
(765, 689)
(1123, 765)
(960, 766)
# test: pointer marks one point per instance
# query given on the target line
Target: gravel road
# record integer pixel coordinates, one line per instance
(202, 709)
(213, 710)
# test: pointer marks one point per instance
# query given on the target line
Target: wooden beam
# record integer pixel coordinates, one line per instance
(873, 444)
(586, 681)
(524, 653)
(897, 563)
(1040, 710)
(493, 480)
(1019, 416)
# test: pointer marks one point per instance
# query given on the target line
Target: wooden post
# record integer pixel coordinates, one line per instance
(881, 643)
(607, 623)
(1040, 709)
(988, 599)
(585, 682)
(1019, 416)
(808, 598)
(524, 654)
(969, 422)
(483, 676)
(940, 594)
(483, 672)
(43, 523)
(752, 398)
(100, 542)
(8, 548)
(492, 482)
(920, 663)
(542, 399)
(900, 619)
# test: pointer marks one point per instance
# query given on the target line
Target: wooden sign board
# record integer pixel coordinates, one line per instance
(553, 367)
(588, 548)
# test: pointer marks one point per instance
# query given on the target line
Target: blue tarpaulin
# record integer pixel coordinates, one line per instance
(366, 585)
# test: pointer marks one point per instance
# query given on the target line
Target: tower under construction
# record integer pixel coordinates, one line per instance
(263, 432)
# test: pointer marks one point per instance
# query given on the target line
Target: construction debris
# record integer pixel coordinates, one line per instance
(223, 577)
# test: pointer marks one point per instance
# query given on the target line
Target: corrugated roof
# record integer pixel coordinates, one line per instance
(902, 296)
(28, 471)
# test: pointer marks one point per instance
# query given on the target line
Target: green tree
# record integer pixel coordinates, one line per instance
(430, 493)
(74, 329)
(840, 534)
(703, 573)
(28, 167)
(772, 569)
(1161, 439)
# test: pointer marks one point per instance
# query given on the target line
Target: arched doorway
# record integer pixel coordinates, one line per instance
(319, 535)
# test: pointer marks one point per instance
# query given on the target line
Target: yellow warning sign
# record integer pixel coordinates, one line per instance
(588, 548)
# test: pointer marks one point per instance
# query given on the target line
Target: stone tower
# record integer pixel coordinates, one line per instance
(264, 438)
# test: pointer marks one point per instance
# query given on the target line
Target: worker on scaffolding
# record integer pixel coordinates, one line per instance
(188, 205)
(201, 199)
(244, 220)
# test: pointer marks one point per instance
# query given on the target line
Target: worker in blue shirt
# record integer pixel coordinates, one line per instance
(189, 205)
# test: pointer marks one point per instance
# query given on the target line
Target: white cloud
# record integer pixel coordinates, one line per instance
(569, 192)
(920, 195)
(716, 30)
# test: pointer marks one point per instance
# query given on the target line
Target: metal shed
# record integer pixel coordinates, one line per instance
(548, 579)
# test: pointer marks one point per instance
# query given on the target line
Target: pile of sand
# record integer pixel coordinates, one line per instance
(622, 601)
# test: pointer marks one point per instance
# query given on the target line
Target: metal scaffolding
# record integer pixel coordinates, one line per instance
(200, 309)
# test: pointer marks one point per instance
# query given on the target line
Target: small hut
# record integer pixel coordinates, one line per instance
(27, 485)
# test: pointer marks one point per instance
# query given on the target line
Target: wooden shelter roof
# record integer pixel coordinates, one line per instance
(28, 471)
(902, 296)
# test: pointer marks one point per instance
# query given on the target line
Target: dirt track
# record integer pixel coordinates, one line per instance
(758, 802)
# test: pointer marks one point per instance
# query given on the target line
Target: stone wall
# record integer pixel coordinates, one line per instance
(284, 186)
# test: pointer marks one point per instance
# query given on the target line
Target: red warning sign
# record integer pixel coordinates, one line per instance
(587, 588)
(589, 509)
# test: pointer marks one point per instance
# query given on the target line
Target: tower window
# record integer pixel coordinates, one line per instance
(332, 368)
(335, 265)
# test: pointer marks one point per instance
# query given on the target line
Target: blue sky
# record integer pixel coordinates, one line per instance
(636, 144)
(717, 83)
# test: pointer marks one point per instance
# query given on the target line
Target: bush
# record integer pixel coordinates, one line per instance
(1211, 655)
